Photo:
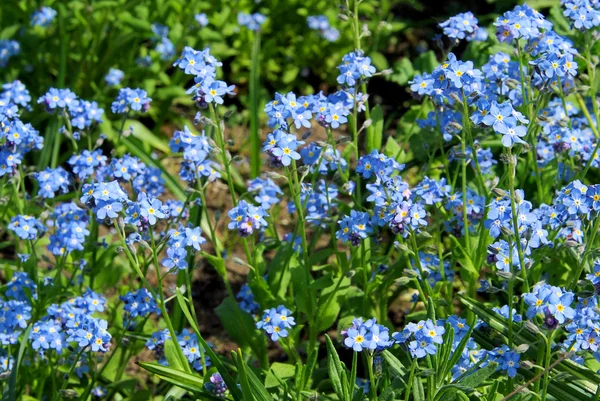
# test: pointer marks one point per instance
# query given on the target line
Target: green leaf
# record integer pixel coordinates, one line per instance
(417, 390)
(215, 359)
(300, 285)
(189, 382)
(403, 71)
(279, 274)
(279, 371)
(337, 373)
(254, 388)
(216, 262)
(475, 379)
(141, 132)
(241, 327)
(394, 363)
(330, 302)
(375, 139)
(10, 388)
(173, 356)
(460, 254)
(426, 62)
(379, 61)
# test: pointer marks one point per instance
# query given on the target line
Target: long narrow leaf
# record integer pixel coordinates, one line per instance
(215, 359)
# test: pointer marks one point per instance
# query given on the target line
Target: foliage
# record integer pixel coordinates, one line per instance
(473, 217)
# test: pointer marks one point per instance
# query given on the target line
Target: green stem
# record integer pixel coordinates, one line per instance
(547, 364)
(373, 387)
(515, 218)
(254, 106)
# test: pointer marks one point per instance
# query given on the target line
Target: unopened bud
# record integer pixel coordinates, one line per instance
(506, 231)
(227, 114)
(131, 248)
(401, 247)
(455, 125)
(521, 349)
(525, 364)
(571, 244)
(512, 83)
(526, 148)
(69, 394)
(585, 294)
(306, 135)
(532, 328)
(506, 275)
(304, 169)
(344, 139)
(455, 97)
(500, 193)
(402, 281)
(211, 142)
(367, 123)
(328, 156)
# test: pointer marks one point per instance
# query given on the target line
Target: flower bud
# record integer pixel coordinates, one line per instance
(455, 97)
(526, 364)
(506, 231)
(499, 192)
(506, 275)
(521, 349)
(531, 327)
(69, 394)
(455, 125)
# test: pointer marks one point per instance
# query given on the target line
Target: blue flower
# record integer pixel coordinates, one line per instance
(114, 77)
(201, 19)
(194, 237)
(43, 17)
(176, 258)
(357, 339)
(276, 322)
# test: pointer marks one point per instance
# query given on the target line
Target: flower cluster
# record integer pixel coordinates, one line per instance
(584, 14)
(26, 227)
(463, 26)
(8, 49)
(276, 322)
(246, 218)
(321, 23)
(251, 21)
(367, 335)
(164, 47)
(354, 68)
(422, 338)
(114, 77)
(43, 17)
(553, 303)
(266, 192)
(207, 89)
(139, 303)
(131, 99)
